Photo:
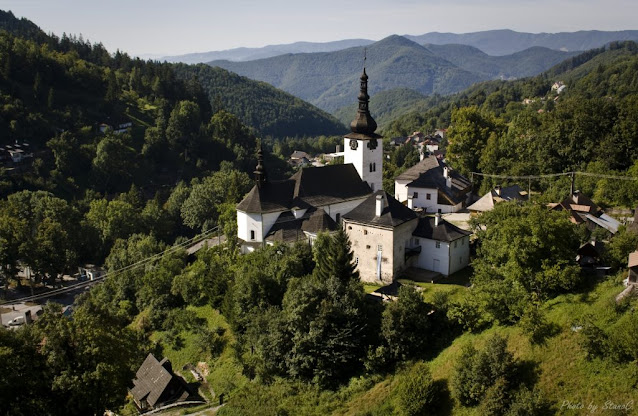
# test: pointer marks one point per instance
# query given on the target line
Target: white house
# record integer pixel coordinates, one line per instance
(432, 186)
(445, 248)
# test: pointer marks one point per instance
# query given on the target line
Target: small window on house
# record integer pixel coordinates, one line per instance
(415, 195)
(439, 210)
(438, 244)
(428, 196)
(365, 232)
(455, 244)
(368, 246)
(252, 234)
(416, 241)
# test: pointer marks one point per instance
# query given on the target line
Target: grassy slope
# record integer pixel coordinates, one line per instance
(564, 373)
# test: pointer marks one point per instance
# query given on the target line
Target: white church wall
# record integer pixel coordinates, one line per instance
(342, 208)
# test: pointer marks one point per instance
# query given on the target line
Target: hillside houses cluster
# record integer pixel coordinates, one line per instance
(424, 143)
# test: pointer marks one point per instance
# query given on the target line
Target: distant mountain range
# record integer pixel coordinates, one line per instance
(329, 80)
(491, 42)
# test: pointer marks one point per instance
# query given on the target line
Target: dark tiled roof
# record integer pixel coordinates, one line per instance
(394, 213)
(288, 229)
(319, 221)
(270, 197)
(581, 203)
(308, 187)
(428, 173)
(152, 380)
(443, 232)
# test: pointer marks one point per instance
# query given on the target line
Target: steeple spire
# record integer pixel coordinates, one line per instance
(260, 171)
(363, 122)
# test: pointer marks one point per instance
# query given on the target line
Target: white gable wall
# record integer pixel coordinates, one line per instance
(432, 204)
(259, 223)
(447, 258)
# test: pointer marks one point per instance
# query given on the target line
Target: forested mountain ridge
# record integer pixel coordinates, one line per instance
(505, 41)
(492, 42)
(327, 79)
(269, 110)
(276, 113)
(251, 54)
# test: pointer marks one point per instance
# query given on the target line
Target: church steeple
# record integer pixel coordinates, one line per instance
(363, 122)
(260, 171)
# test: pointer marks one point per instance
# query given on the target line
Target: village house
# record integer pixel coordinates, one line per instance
(583, 210)
(386, 235)
(496, 195)
(155, 385)
(432, 186)
(632, 265)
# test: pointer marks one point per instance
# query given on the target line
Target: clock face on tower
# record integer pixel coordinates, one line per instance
(372, 144)
(353, 144)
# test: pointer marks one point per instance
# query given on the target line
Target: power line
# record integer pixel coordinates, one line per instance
(76, 286)
(551, 175)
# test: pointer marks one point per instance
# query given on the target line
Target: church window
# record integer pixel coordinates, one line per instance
(252, 234)
(415, 195)
(438, 244)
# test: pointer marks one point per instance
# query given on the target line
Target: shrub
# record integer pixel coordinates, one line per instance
(416, 391)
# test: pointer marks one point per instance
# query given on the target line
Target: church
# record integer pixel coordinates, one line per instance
(386, 234)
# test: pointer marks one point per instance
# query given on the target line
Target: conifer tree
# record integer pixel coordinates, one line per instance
(335, 259)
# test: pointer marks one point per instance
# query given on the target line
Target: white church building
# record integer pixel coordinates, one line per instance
(386, 235)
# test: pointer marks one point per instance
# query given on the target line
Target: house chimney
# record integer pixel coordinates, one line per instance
(497, 189)
(445, 171)
(379, 209)
(437, 219)
(421, 155)
(446, 175)
(410, 202)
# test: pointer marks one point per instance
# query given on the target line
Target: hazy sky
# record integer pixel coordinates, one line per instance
(166, 27)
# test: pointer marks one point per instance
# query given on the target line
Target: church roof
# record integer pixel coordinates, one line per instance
(393, 214)
(312, 186)
(443, 232)
(363, 125)
(428, 173)
(288, 229)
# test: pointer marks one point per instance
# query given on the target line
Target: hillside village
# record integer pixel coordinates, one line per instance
(159, 254)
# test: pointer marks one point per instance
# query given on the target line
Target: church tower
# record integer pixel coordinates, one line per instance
(363, 147)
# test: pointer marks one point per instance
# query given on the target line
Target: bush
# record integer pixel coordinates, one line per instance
(496, 399)
(416, 391)
(476, 370)
(528, 402)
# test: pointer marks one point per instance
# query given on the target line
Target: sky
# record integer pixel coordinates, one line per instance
(162, 27)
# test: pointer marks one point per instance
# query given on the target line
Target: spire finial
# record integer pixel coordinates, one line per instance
(260, 171)
(363, 122)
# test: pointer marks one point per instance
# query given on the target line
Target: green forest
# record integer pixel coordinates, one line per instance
(290, 330)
